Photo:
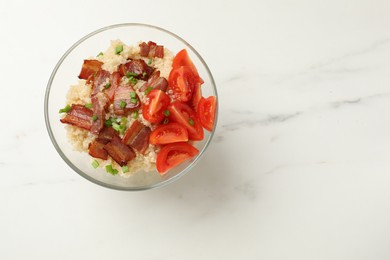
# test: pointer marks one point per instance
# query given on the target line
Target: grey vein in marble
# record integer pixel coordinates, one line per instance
(271, 119)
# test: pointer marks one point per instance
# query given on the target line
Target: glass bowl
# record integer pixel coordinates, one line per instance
(65, 74)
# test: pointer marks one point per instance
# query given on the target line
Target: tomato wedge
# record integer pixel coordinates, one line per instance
(169, 133)
(182, 59)
(174, 154)
(184, 115)
(206, 112)
(182, 82)
(158, 102)
(197, 95)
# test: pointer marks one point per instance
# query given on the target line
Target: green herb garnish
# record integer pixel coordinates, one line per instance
(135, 114)
(111, 170)
(133, 94)
(167, 113)
(191, 122)
(133, 80)
(144, 74)
(66, 109)
(95, 164)
(147, 91)
(94, 117)
(131, 74)
(88, 105)
(125, 169)
(150, 61)
(122, 104)
(107, 85)
(100, 54)
(134, 100)
(118, 49)
(108, 122)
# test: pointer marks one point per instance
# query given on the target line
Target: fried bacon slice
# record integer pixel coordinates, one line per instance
(79, 116)
(115, 80)
(119, 152)
(96, 149)
(123, 100)
(100, 81)
(137, 137)
(156, 82)
(99, 103)
(137, 67)
(151, 49)
(106, 135)
(89, 68)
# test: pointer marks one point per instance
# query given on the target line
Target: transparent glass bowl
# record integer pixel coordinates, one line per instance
(65, 74)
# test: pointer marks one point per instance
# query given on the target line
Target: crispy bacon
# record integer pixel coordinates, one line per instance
(144, 49)
(137, 137)
(96, 149)
(156, 82)
(138, 67)
(89, 68)
(106, 135)
(115, 80)
(99, 102)
(123, 103)
(100, 81)
(118, 151)
(151, 49)
(159, 52)
(79, 116)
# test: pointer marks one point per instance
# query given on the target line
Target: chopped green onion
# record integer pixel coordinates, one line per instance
(107, 85)
(95, 164)
(134, 100)
(191, 121)
(135, 114)
(133, 80)
(108, 122)
(111, 170)
(132, 94)
(166, 121)
(122, 104)
(100, 54)
(88, 105)
(116, 126)
(167, 113)
(94, 117)
(147, 91)
(123, 121)
(131, 74)
(65, 109)
(118, 49)
(150, 61)
(125, 168)
(95, 74)
(119, 128)
(144, 74)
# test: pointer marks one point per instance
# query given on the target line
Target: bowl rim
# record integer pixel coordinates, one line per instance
(74, 167)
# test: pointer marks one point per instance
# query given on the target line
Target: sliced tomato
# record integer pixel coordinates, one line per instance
(169, 133)
(182, 59)
(158, 102)
(182, 82)
(174, 154)
(206, 112)
(196, 96)
(184, 115)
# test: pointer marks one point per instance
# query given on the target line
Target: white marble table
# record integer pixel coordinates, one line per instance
(299, 168)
